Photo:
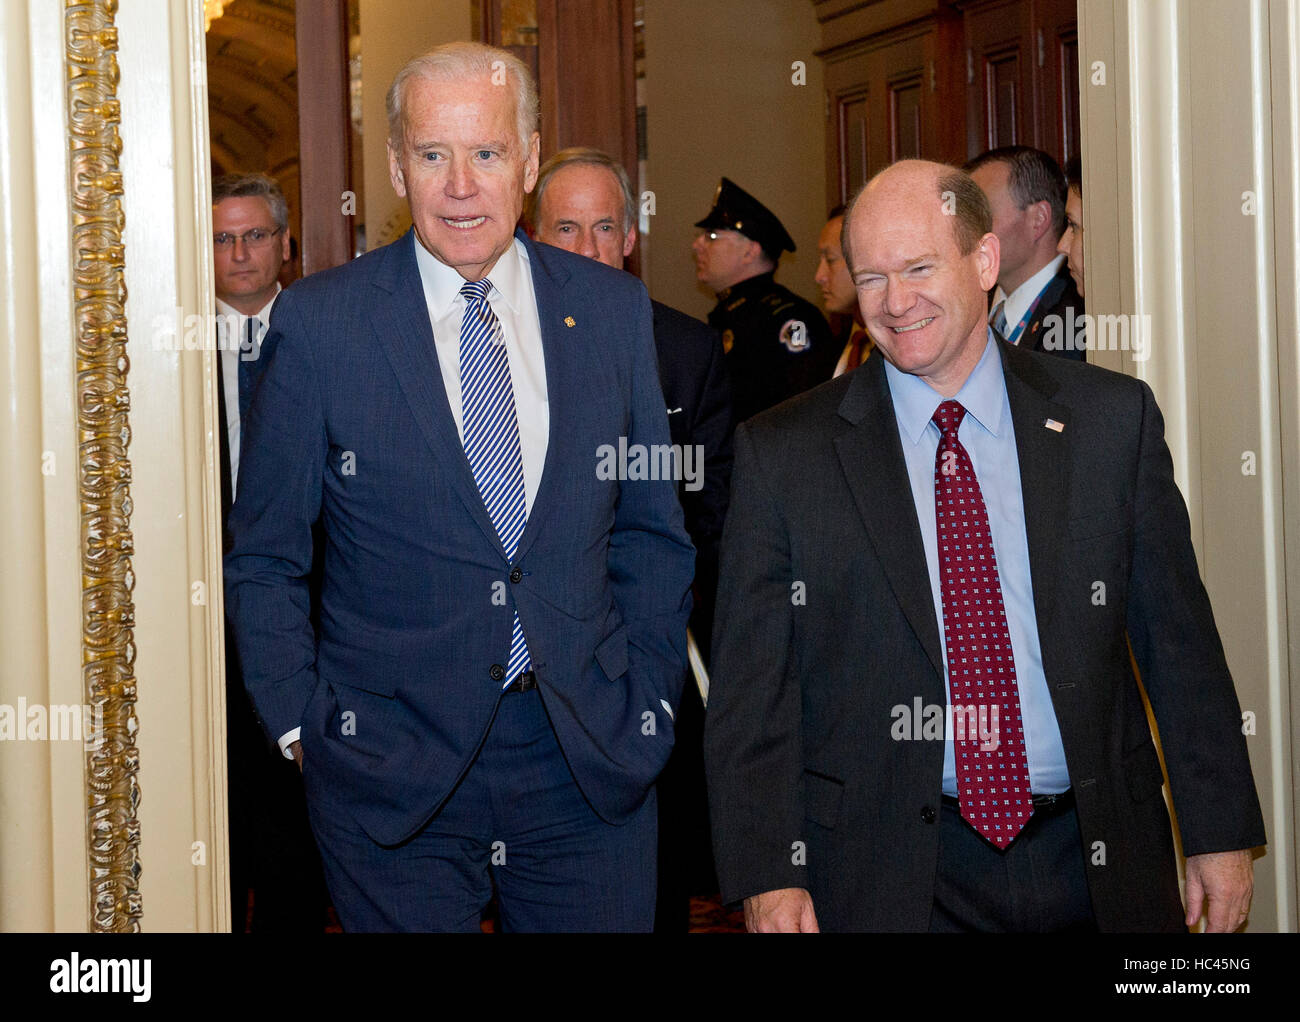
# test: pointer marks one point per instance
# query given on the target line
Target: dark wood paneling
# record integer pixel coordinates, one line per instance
(587, 76)
(905, 136)
(945, 80)
(853, 116)
(1002, 100)
(1056, 81)
(324, 131)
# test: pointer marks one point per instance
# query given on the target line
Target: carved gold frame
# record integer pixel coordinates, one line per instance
(103, 469)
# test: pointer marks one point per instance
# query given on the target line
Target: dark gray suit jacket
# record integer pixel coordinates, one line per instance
(807, 786)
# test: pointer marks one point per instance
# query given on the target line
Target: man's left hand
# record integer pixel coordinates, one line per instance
(1227, 879)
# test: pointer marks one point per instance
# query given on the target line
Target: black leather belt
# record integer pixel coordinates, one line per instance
(526, 682)
(1048, 805)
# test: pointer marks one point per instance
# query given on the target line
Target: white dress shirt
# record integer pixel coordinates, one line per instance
(515, 304)
(228, 349)
(1021, 298)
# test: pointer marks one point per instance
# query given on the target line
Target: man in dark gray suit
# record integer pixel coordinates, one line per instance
(583, 203)
(924, 714)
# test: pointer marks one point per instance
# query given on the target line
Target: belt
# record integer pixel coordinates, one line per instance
(1048, 805)
(526, 682)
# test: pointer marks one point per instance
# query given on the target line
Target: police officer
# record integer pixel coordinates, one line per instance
(777, 343)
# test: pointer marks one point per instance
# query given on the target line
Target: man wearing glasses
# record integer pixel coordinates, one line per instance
(250, 244)
(271, 846)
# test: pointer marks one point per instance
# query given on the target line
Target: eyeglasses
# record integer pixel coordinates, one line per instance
(258, 237)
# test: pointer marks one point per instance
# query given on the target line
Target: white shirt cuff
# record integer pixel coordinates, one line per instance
(288, 739)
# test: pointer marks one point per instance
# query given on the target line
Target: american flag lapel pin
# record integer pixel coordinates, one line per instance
(1055, 426)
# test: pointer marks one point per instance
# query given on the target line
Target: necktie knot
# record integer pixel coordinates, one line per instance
(476, 290)
(948, 417)
(998, 319)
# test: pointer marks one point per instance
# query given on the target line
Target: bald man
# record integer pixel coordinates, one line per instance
(923, 714)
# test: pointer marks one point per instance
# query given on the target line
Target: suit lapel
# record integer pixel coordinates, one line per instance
(871, 455)
(1043, 453)
(401, 325)
(562, 374)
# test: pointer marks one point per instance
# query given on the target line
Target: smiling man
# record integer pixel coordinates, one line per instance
(979, 534)
(503, 632)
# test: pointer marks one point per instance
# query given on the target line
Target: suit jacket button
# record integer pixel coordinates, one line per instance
(497, 672)
(928, 814)
(516, 575)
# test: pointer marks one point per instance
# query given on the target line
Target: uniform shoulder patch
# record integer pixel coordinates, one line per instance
(794, 336)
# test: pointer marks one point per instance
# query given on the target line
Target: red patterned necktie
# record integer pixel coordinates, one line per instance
(988, 735)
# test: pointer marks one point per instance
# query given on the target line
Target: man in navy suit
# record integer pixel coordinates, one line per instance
(271, 846)
(477, 423)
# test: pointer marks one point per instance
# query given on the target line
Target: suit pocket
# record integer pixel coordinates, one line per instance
(822, 796)
(611, 654)
(386, 686)
(1104, 523)
(1142, 772)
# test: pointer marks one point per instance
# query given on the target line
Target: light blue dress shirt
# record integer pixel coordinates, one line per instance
(989, 438)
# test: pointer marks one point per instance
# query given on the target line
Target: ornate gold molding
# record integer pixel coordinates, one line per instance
(104, 473)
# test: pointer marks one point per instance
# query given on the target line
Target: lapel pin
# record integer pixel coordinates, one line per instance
(1055, 426)
(569, 321)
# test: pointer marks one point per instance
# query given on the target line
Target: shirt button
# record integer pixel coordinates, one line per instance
(497, 672)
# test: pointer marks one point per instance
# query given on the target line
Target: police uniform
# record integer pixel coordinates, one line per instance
(777, 344)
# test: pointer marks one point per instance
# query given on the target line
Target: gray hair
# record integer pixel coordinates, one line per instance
(460, 60)
(245, 186)
(581, 155)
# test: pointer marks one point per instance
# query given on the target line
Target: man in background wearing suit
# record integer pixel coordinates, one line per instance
(583, 202)
(1026, 191)
(503, 611)
(924, 715)
(271, 847)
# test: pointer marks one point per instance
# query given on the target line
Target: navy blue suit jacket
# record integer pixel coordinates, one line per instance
(350, 424)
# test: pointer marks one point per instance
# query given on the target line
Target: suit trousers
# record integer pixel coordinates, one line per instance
(1037, 885)
(517, 823)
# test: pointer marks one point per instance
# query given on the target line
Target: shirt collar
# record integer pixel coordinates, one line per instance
(264, 313)
(442, 284)
(983, 395)
(1021, 298)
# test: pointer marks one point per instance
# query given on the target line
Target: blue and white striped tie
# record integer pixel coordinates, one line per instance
(491, 436)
